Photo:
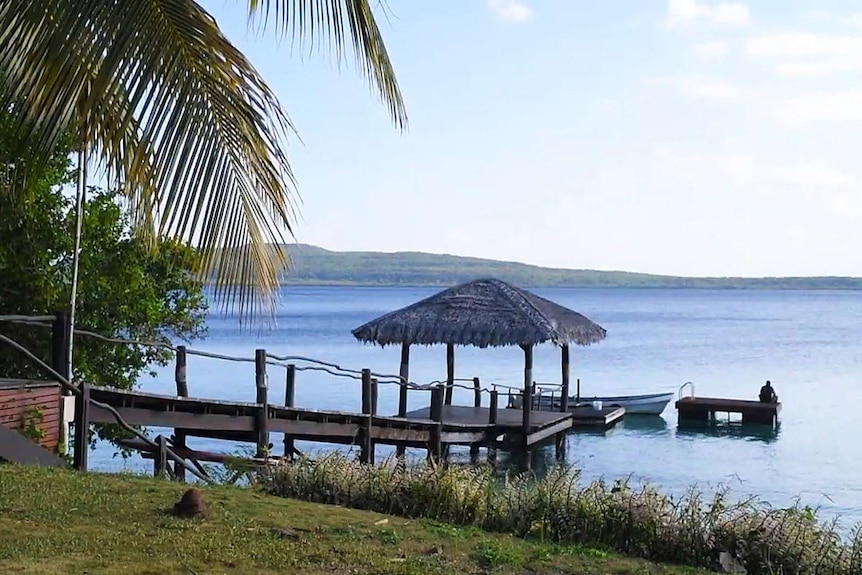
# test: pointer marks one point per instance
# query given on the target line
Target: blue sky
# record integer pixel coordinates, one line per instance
(691, 137)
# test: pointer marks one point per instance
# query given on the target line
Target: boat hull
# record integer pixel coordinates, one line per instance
(650, 404)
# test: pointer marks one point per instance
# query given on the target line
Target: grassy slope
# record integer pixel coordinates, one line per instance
(314, 265)
(54, 522)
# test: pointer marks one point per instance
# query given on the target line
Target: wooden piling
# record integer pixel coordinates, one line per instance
(366, 447)
(528, 391)
(60, 346)
(492, 412)
(477, 402)
(289, 401)
(450, 372)
(160, 461)
(262, 420)
(435, 450)
(564, 398)
(437, 402)
(560, 446)
(181, 380)
(404, 375)
(82, 427)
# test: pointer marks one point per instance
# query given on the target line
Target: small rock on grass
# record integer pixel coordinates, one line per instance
(191, 504)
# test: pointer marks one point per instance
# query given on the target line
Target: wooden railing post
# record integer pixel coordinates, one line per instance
(366, 391)
(492, 412)
(261, 399)
(160, 461)
(60, 346)
(450, 373)
(374, 395)
(404, 374)
(477, 402)
(182, 391)
(289, 401)
(82, 427)
(528, 391)
(564, 398)
(404, 377)
(438, 396)
(366, 448)
(492, 421)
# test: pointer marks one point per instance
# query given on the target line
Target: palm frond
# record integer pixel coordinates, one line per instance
(335, 22)
(179, 116)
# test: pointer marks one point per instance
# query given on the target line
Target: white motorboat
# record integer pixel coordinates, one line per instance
(648, 404)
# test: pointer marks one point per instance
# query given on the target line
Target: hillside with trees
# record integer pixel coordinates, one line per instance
(312, 265)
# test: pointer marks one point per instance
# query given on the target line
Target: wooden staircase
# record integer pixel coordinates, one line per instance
(15, 448)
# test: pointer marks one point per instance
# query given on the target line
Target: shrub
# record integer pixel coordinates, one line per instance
(636, 521)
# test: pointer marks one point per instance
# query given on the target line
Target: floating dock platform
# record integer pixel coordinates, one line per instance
(461, 420)
(605, 418)
(702, 410)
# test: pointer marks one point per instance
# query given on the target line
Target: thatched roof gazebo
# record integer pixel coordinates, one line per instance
(481, 313)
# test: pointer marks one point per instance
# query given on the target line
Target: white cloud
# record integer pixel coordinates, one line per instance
(806, 55)
(803, 45)
(608, 106)
(813, 176)
(822, 106)
(722, 13)
(852, 20)
(511, 10)
(712, 49)
(711, 89)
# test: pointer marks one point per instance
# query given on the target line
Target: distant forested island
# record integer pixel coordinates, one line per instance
(312, 265)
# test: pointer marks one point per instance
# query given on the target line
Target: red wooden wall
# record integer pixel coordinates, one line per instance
(18, 397)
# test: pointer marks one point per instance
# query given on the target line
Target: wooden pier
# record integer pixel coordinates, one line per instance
(433, 428)
(703, 410)
(465, 423)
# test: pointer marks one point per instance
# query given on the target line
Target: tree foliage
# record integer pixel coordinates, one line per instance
(126, 288)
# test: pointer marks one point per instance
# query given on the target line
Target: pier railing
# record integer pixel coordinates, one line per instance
(253, 422)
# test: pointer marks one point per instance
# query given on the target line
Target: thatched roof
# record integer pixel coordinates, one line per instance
(482, 313)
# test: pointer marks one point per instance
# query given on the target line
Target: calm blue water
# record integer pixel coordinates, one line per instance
(727, 342)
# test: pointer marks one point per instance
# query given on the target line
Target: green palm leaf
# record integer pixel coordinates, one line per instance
(180, 116)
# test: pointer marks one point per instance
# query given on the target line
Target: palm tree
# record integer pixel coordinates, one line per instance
(177, 115)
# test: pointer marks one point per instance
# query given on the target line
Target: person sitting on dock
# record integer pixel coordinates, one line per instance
(767, 393)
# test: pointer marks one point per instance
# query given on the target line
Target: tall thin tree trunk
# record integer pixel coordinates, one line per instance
(80, 200)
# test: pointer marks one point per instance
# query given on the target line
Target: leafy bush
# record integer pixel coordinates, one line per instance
(636, 521)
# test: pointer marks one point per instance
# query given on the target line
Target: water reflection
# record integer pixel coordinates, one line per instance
(646, 424)
(732, 430)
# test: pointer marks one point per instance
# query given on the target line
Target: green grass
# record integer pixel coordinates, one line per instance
(55, 521)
